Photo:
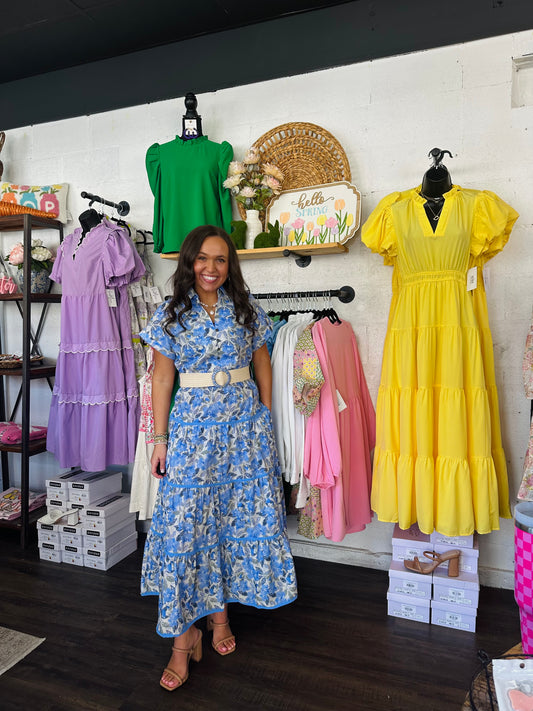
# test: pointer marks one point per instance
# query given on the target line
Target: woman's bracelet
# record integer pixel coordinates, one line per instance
(161, 438)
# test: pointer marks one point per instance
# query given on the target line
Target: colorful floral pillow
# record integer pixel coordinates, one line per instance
(46, 198)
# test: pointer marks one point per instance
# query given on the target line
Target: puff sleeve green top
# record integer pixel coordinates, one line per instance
(186, 179)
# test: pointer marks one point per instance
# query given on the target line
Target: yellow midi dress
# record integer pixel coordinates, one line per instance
(439, 459)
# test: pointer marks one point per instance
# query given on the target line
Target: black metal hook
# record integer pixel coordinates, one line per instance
(302, 260)
(437, 154)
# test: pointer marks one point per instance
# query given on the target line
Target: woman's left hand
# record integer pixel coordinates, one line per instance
(158, 461)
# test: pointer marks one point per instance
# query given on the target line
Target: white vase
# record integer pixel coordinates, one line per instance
(253, 228)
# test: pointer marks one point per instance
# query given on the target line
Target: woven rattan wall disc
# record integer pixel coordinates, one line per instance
(306, 154)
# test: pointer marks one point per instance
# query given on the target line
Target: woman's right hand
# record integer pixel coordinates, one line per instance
(158, 461)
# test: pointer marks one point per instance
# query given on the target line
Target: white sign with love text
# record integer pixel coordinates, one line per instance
(317, 214)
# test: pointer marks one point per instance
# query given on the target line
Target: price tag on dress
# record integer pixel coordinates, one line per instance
(471, 279)
(111, 297)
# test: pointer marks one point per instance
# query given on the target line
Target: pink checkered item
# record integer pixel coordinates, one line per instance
(523, 585)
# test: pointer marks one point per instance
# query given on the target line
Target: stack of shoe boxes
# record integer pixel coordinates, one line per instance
(409, 594)
(109, 532)
(57, 500)
(455, 600)
(93, 496)
(436, 597)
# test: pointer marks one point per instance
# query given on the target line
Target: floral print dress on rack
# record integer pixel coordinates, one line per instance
(525, 493)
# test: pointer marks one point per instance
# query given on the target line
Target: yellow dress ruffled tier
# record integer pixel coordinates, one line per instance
(439, 459)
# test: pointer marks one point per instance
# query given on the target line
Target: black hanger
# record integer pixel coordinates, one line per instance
(333, 317)
(121, 223)
(143, 233)
(328, 313)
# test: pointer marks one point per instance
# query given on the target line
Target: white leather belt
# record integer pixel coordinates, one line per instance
(221, 377)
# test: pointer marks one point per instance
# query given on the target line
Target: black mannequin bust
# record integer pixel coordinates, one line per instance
(436, 182)
(89, 219)
(191, 121)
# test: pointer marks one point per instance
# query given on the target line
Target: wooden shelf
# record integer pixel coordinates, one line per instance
(17, 522)
(46, 370)
(10, 223)
(36, 447)
(35, 298)
(311, 250)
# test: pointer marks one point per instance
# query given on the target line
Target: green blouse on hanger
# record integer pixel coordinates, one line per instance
(186, 179)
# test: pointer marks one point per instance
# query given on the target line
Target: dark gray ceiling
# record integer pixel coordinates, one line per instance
(40, 36)
(64, 58)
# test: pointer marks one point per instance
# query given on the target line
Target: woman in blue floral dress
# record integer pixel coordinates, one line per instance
(218, 531)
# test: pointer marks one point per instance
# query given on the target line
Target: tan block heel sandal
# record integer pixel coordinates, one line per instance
(437, 559)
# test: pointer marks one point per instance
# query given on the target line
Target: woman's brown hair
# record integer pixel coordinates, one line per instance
(184, 278)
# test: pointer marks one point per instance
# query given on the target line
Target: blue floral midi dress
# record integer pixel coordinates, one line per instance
(218, 531)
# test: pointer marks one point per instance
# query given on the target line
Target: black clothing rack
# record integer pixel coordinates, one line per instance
(345, 294)
(121, 207)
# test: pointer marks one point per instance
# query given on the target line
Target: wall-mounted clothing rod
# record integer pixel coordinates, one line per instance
(344, 294)
(121, 207)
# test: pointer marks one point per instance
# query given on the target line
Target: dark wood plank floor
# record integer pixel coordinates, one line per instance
(334, 649)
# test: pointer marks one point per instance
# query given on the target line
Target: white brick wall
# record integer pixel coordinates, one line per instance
(387, 114)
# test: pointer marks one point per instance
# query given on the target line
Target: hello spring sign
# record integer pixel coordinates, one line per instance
(317, 214)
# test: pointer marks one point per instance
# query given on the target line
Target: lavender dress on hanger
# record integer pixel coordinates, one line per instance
(94, 415)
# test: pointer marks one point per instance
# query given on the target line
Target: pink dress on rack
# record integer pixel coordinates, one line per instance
(341, 433)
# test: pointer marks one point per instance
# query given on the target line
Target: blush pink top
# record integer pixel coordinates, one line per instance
(339, 440)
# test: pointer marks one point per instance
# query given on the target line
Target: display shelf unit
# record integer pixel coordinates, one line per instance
(28, 371)
(311, 250)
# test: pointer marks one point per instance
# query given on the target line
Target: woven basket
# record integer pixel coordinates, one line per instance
(306, 154)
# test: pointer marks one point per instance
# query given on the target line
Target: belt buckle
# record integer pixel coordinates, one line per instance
(221, 377)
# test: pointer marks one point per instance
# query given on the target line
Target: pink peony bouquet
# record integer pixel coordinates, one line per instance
(41, 257)
(253, 183)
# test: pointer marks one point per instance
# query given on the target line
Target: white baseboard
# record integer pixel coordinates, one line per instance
(325, 550)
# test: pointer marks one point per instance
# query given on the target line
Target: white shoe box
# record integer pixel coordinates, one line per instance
(105, 525)
(59, 484)
(50, 545)
(61, 505)
(59, 495)
(447, 614)
(49, 527)
(71, 535)
(93, 485)
(49, 536)
(72, 549)
(469, 559)
(72, 558)
(405, 582)
(107, 513)
(462, 591)
(107, 506)
(452, 541)
(104, 560)
(408, 543)
(103, 541)
(50, 551)
(74, 505)
(408, 607)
